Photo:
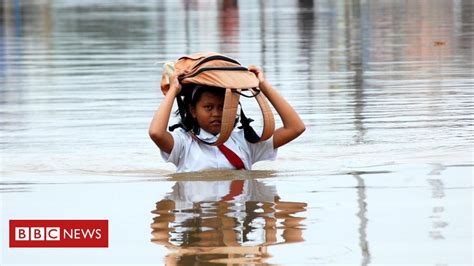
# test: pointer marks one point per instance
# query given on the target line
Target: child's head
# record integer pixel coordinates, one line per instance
(204, 106)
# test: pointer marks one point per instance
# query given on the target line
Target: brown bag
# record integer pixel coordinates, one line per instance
(216, 70)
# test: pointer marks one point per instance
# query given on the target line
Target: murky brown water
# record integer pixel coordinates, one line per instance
(383, 173)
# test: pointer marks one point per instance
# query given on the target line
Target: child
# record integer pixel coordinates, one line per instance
(203, 117)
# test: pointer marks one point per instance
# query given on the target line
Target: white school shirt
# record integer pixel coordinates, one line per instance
(189, 154)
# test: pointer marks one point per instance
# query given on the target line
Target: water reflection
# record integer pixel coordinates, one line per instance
(231, 221)
(437, 186)
(356, 62)
(362, 215)
(229, 26)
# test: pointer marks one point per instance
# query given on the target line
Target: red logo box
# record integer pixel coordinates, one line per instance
(59, 233)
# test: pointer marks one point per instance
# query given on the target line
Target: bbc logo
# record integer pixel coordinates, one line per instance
(59, 234)
(37, 234)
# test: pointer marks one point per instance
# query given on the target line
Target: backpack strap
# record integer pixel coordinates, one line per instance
(231, 101)
(268, 120)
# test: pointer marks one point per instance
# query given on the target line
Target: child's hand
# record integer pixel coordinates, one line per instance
(262, 83)
(175, 85)
(258, 72)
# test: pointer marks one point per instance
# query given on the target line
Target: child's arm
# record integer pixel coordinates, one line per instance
(158, 128)
(293, 126)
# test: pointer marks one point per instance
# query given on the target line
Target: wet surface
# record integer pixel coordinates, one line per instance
(208, 222)
(383, 173)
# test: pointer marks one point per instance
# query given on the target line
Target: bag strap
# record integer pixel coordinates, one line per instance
(268, 120)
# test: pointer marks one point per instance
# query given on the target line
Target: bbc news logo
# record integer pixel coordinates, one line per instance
(59, 233)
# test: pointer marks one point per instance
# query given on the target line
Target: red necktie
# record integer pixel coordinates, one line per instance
(233, 158)
(236, 186)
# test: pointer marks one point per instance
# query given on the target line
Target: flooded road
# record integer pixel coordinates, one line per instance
(383, 173)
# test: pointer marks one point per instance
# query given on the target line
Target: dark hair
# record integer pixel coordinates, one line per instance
(189, 96)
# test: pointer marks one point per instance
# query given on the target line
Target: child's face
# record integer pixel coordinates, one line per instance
(208, 112)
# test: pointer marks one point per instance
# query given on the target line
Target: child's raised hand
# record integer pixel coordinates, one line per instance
(258, 72)
(175, 85)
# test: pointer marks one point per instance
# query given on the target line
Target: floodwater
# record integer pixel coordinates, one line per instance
(383, 173)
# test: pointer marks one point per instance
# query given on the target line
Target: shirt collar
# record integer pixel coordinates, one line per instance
(206, 136)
